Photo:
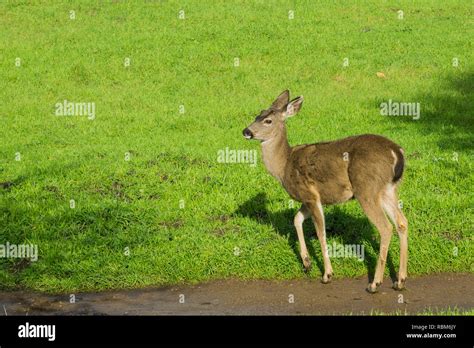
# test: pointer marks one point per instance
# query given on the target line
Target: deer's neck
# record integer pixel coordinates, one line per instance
(275, 153)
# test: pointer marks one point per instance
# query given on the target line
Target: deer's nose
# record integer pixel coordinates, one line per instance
(247, 133)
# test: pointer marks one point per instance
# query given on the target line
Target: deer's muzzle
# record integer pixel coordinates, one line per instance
(247, 133)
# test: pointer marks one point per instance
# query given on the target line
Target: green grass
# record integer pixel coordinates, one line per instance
(135, 204)
(430, 312)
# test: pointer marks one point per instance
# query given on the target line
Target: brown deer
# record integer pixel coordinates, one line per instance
(365, 167)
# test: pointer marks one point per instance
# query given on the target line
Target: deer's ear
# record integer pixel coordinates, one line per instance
(282, 100)
(294, 106)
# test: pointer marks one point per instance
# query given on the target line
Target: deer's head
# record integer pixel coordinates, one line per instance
(271, 122)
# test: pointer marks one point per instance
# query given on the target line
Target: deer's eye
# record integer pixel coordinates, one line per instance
(267, 121)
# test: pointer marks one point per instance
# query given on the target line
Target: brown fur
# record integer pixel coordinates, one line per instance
(365, 167)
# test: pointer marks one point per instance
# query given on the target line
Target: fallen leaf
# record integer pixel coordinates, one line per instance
(380, 74)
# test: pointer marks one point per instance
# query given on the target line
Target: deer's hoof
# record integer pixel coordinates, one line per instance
(326, 278)
(373, 288)
(399, 285)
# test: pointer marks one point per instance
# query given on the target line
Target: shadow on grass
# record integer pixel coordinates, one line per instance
(446, 112)
(350, 230)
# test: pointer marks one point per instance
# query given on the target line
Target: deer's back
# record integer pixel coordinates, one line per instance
(339, 170)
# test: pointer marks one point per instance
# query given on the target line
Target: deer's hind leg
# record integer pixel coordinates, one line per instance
(372, 207)
(392, 208)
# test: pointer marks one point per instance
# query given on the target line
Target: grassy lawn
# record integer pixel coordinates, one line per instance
(152, 205)
(431, 312)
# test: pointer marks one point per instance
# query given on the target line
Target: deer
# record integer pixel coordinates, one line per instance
(366, 167)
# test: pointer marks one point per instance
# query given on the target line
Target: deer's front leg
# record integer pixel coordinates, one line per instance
(318, 218)
(302, 215)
